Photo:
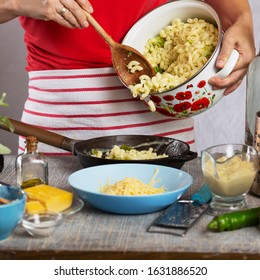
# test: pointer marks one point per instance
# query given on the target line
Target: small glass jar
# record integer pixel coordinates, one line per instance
(31, 166)
(229, 170)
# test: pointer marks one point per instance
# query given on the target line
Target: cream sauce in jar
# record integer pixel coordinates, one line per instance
(235, 176)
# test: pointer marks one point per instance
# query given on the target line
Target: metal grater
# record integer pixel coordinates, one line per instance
(179, 217)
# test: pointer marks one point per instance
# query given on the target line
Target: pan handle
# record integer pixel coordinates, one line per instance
(189, 156)
(45, 136)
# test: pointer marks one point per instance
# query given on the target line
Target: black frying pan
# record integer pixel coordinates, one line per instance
(1, 163)
(178, 151)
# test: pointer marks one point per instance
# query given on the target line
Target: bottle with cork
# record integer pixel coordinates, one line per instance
(31, 166)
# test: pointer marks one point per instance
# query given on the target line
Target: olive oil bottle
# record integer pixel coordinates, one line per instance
(31, 166)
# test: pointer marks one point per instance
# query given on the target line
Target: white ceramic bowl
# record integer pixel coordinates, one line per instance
(198, 93)
(86, 183)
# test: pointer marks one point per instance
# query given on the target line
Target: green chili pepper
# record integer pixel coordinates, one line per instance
(235, 220)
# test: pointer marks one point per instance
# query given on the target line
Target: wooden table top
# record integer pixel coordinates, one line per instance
(93, 234)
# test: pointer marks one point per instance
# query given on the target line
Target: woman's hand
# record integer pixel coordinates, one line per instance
(238, 36)
(68, 13)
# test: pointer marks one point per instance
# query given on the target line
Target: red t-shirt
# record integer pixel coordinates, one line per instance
(52, 46)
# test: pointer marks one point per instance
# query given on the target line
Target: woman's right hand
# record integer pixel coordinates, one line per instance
(68, 13)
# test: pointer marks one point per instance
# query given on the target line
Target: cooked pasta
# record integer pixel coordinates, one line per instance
(132, 186)
(119, 153)
(178, 52)
(151, 105)
(134, 66)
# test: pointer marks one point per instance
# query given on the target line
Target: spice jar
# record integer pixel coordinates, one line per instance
(31, 166)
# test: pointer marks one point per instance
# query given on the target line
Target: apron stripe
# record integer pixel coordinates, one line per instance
(61, 90)
(73, 77)
(85, 115)
(84, 102)
(115, 127)
(175, 131)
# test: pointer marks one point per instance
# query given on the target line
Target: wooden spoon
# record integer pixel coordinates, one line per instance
(4, 200)
(122, 55)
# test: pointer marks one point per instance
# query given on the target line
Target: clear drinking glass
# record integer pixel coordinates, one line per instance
(229, 170)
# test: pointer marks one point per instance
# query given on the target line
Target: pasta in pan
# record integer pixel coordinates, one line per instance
(178, 52)
(119, 153)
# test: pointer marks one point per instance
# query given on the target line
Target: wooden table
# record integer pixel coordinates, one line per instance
(92, 234)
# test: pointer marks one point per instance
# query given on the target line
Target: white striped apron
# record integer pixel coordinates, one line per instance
(89, 103)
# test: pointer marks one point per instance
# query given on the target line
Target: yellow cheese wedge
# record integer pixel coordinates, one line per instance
(34, 207)
(52, 198)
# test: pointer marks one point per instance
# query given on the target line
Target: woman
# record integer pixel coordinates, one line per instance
(73, 89)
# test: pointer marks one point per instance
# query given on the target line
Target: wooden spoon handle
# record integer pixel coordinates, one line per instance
(100, 30)
(4, 200)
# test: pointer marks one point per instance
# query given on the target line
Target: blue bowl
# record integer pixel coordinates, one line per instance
(86, 183)
(12, 213)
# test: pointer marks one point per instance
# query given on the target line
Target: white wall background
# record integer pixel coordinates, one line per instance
(223, 123)
(13, 76)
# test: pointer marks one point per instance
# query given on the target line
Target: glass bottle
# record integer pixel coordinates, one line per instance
(253, 114)
(252, 98)
(31, 166)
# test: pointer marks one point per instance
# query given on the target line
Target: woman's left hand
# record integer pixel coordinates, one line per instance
(239, 36)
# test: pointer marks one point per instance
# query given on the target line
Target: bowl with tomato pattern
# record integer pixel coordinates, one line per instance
(192, 94)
